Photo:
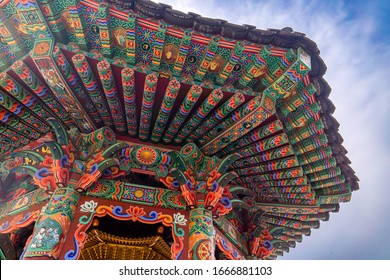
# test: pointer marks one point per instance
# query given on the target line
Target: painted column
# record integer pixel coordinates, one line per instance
(203, 184)
(201, 235)
(56, 172)
(52, 226)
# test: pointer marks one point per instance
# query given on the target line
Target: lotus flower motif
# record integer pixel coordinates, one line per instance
(179, 219)
(89, 206)
(136, 212)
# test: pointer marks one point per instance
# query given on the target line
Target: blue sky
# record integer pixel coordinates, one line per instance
(354, 40)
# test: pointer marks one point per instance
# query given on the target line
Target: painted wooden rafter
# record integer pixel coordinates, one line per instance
(231, 104)
(90, 83)
(27, 99)
(256, 68)
(255, 116)
(158, 47)
(42, 91)
(147, 106)
(182, 55)
(262, 146)
(234, 59)
(11, 139)
(207, 58)
(203, 110)
(254, 136)
(103, 19)
(54, 19)
(129, 96)
(43, 59)
(188, 103)
(170, 95)
(16, 123)
(112, 96)
(131, 38)
(10, 104)
(268, 155)
(75, 84)
(10, 36)
(78, 23)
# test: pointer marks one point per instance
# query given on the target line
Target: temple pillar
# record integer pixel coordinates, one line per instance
(203, 183)
(52, 226)
(201, 235)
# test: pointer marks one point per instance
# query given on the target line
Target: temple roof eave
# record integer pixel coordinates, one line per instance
(282, 163)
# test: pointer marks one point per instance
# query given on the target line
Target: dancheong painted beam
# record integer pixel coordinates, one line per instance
(127, 125)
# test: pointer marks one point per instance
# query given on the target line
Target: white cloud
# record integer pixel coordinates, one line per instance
(359, 76)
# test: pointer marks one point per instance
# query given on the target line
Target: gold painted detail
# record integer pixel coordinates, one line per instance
(103, 246)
